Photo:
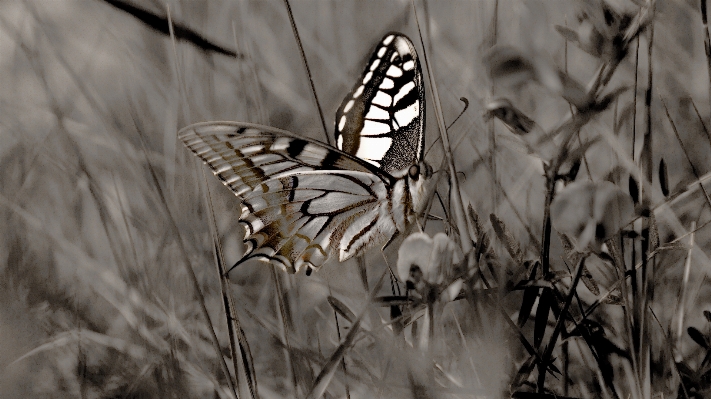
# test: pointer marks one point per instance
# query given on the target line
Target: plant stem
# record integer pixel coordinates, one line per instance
(559, 325)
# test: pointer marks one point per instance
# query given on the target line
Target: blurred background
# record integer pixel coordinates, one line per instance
(95, 298)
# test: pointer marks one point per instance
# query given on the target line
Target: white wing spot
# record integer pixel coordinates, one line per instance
(381, 52)
(383, 99)
(376, 112)
(407, 115)
(367, 77)
(223, 168)
(373, 148)
(254, 149)
(342, 122)
(255, 223)
(374, 65)
(408, 65)
(332, 202)
(348, 106)
(280, 144)
(358, 92)
(314, 153)
(394, 72)
(387, 83)
(402, 47)
(340, 142)
(404, 90)
(388, 39)
(373, 128)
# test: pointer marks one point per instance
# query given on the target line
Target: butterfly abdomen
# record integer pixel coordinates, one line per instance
(393, 215)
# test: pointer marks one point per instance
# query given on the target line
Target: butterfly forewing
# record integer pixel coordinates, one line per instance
(303, 200)
(299, 196)
(382, 119)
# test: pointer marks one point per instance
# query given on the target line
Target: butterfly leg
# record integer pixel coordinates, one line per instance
(397, 233)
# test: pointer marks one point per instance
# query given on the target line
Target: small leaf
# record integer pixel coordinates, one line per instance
(393, 300)
(507, 238)
(161, 24)
(514, 119)
(604, 102)
(612, 299)
(567, 245)
(707, 315)
(509, 64)
(698, 337)
(341, 308)
(574, 92)
(573, 172)
(474, 217)
(524, 372)
(673, 246)
(663, 177)
(634, 190)
(578, 153)
(529, 298)
(541, 321)
(569, 34)
(589, 281)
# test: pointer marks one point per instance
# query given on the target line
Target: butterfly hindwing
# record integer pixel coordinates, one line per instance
(382, 119)
(299, 196)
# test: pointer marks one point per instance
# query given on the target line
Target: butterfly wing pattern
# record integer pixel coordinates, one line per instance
(303, 200)
(382, 119)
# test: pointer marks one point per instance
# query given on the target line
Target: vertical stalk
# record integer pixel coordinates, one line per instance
(647, 274)
(460, 216)
(308, 71)
(559, 325)
(492, 126)
(707, 40)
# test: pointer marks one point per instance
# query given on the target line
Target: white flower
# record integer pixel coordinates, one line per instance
(424, 263)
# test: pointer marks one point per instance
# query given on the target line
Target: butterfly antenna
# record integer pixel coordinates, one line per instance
(466, 106)
(308, 71)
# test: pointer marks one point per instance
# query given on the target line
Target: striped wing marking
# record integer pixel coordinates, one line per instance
(299, 196)
(382, 119)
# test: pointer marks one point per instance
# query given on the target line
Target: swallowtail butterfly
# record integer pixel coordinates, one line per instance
(302, 200)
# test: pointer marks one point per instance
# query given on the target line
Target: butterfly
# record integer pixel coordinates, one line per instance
(303, 200)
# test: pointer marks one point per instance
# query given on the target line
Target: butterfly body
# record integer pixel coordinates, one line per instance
(303, 200)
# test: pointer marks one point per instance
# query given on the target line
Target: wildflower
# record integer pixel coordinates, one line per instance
(426, 265)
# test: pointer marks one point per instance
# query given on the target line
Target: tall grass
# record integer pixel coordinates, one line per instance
(102, 209)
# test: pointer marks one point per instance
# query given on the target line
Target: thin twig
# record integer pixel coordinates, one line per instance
(683, 295)
(308, 71)
(188, 266)
(460, 216)
(707, 40)
(559, 325)
(234, 328)
(686, 153)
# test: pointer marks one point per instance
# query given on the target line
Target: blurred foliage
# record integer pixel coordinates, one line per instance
(96, 301)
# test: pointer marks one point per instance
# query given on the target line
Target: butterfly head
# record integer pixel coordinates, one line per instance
(418, 179)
